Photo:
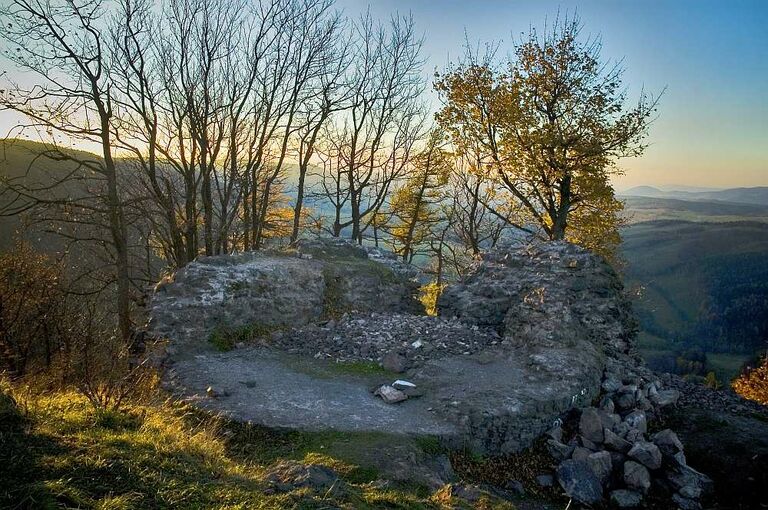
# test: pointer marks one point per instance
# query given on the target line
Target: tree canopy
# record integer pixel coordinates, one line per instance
(548, 125)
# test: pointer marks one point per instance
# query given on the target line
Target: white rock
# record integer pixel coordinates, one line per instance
(417, 344)
(400, 384)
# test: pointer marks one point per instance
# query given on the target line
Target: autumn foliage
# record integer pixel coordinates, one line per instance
(753, 383)
(548, 127)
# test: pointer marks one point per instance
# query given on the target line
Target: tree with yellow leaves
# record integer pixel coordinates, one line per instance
(551, 124)
(415, 204)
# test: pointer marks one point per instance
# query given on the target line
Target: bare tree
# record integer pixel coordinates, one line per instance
(372, 140)
(63, 44)
(327, 96)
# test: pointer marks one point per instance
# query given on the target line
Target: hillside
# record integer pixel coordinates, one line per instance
(754, 195)
(690, 277)
(643, 208)
(23, 162)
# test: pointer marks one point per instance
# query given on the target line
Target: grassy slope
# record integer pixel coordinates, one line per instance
(66, 455)
(167, 457)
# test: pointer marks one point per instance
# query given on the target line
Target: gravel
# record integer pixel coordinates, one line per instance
(369, 337)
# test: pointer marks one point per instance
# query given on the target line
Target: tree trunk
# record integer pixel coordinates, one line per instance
(560, 219)
(117, 231)
(299, 204)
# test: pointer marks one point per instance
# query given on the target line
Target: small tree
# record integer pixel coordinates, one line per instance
(415, 204)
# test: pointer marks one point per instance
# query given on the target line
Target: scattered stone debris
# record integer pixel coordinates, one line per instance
(610, 444)
(397, 341)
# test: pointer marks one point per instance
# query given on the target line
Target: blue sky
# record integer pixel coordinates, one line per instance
(712, 57)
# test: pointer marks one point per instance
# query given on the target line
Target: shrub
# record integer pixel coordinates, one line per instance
(429, 294)
(33, 311)
(710, 381)
(52, 339)
(752, 384)
(224, 338)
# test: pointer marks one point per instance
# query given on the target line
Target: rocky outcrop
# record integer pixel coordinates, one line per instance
(545, 294)
(559, 300)
(492, 388)
(533, 340)
(318, 279)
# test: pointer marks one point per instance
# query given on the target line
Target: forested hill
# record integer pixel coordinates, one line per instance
(757, 195)
(701, 285)
(24, 161)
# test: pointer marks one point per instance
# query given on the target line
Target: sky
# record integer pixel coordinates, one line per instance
(711, 58)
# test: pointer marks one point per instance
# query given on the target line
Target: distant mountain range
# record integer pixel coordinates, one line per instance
(755, 196)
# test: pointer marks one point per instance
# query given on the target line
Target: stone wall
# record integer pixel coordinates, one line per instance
(545, 294)
(559, 308)
(273, 290)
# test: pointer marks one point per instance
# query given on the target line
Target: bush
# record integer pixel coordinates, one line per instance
(33, 315)
(752, 384)
(710, 381)
(52, 339)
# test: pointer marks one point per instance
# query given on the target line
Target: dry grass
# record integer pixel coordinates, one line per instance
(62, 452)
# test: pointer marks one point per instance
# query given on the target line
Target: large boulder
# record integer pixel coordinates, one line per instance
(272, 290)
(546, 294)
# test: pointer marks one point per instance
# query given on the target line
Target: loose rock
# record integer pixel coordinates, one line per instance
(647, 454)
(637, 420)
(579, 482)
(637, 477)
(390, 395)
(623, 498)
(601, 465)
(590, 425)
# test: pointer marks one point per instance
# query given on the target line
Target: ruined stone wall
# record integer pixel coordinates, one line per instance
(559, 308)
(273, 290)
(545, 294)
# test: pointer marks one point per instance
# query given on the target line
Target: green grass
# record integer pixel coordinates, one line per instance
(224, 338)
(726, 366)
(364, 368)
(62, 453)
(328, 369)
